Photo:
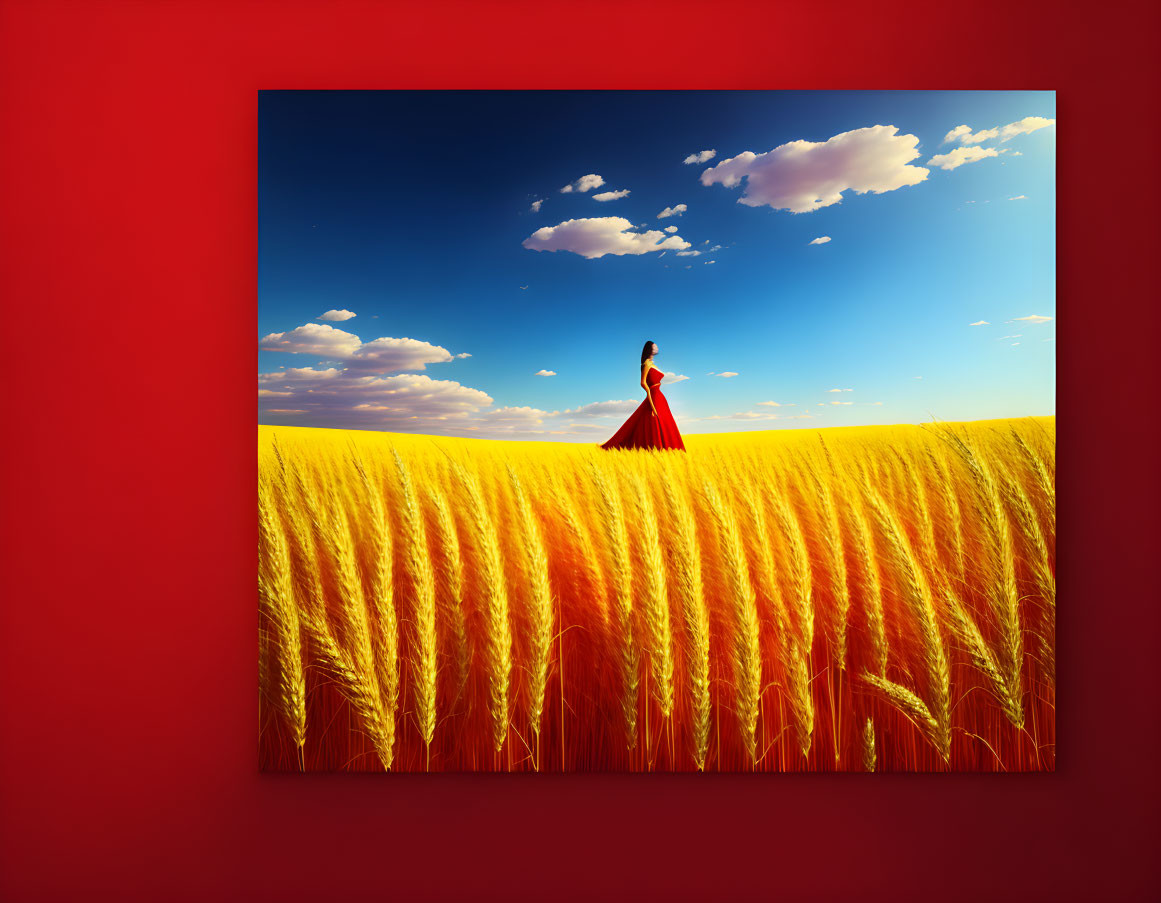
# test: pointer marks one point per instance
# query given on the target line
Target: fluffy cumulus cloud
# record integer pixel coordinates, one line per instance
(545, 373)
(671, 378)
(671, 228)
(611, 195)
(387, 355)
(316, 339)
(964, 134)
(672, 211)
(382, 355)
(337, 315)
(331, 397)
(801, 176)
(700, 156)
(536, 205)
(980, 323)
(840, 390)
(821, 240)
(961, 155)
(584, 183)
(594, 237)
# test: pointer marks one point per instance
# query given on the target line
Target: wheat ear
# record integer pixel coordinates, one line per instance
(747, 656)
(499, 628)
(276, 592)
(540, 615)
(424, 665)
(623, 602)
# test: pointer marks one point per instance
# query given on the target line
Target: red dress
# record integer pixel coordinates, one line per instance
(643, 429)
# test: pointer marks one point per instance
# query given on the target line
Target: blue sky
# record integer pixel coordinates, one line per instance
(416, 212)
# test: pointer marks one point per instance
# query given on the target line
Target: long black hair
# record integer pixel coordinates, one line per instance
(647, 350)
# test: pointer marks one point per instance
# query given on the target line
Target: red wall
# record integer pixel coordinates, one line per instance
(128, 619)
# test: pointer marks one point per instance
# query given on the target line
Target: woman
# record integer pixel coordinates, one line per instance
(651, 425)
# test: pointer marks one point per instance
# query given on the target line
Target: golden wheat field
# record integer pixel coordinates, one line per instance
(844, 599)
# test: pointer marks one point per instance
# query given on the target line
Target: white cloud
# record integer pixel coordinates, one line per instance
(1027, 125)
(821, 240)
(671, 378)
(840, 390)
(708, 262)
(545, 373)
(313, 338)
(726, 374)
(1018, 197)
(386, 355)
(801, 176)
(672, 211)
(597, 236)
(700, 156)
(1016, 336)
(689, 253)
(842, 402)
(382, 355)
(334, 398)
(536, 205)
(671, 228)
(337, 315)
(611, 195)
(962, 155)
(584, 183)
(980, 323)
(778, 404)
(1034, 318)
(462, 355)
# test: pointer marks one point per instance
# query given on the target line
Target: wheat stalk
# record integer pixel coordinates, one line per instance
(747, 657)
(452, 574)
(623, 602)
(385, 648)
(541, 607)
(687, 579)
(499, 629)
(868, 745)
(656, 599)
(918, 595)
(276, 593)
(424, 664)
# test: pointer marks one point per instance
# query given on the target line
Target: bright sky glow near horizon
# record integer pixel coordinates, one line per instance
(422, 270)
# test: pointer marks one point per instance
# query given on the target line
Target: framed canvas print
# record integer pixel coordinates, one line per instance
(656, 431)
